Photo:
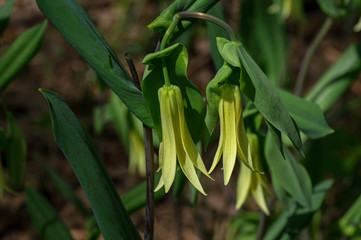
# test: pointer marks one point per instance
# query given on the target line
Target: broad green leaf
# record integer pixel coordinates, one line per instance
(288, 173)
(161, 23)
(74, 24)
(266, 39)
(289, 224)
(15, 152)
(135, 198)
(215, 31)
(45, 219)
(351, 221)
(64, 188)
(307, 115)
(261, 91)
(176, 58)
(72, 139)
(20, 53)
(5, 13)
(337, 79)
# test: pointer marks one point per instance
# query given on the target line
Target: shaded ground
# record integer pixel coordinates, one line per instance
(59, 68)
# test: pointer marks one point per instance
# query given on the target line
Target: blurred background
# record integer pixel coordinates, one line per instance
(58, 67)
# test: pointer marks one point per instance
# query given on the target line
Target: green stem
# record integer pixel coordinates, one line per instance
(162, 47)
(212, 19)
(309, 54)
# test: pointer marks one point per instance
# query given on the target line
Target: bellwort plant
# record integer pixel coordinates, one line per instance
(257, 124)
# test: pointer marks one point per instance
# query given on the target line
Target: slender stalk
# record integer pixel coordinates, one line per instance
(149, 165)
(261, 226)
(149, 207)
(162, 47)
(309, 54)
(212, 19)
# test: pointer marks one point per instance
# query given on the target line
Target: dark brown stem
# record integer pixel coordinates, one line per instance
(149, 165)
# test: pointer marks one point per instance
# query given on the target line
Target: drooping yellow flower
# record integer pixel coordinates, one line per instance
(176, 141)
(233, 139)
(251, 181)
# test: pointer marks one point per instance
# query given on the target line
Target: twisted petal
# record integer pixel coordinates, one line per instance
(243, 185)
(243, 150)
(168, 154)
(186, 139)
(230, 143)
(257, 189)
(219, 152)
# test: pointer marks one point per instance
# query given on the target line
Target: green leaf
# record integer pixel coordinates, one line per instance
(161, 23)
(20, 53)
(351, 220)
(337, 79)
(288, 225)
(261, 91)
(176, 58)
(215, 31)
(136, 198)
(15, 151)
(291, 176)
(64, 188)
(72, 139)
(45, 219)
(307, 115)
(5, 13)
(74, 24)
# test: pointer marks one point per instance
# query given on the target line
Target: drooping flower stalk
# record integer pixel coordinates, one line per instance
(233, 139)
(176, 141)
(251, 181)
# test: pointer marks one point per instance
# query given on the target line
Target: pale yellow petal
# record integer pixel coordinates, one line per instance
(230, 143)
(243, 150)
(189, 171)
(219, 151)
(169, 160)
(160, 184)
(258, 194)
(243, 185)
(187, 141)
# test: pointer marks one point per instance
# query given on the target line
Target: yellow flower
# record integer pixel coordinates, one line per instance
(136, 154)
(176, 141)
(233, 139)
(251, 181)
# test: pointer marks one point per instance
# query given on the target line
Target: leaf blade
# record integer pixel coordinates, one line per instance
(74, 142)
(69, 18)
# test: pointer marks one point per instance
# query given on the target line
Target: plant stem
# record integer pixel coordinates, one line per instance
(149, 207)
(212, 19)
(162, 47)
(309, 54)
(261, 226)
(149, 164)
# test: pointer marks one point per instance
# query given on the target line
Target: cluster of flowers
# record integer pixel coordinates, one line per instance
(178, 144)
